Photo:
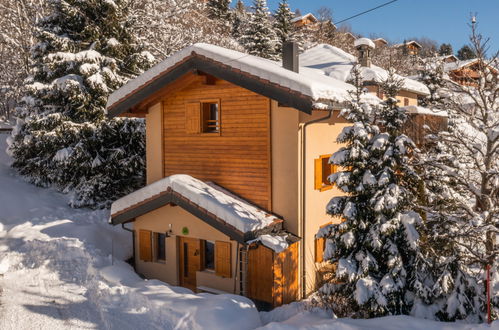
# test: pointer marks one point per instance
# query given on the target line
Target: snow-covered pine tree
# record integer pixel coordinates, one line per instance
(259, 38)
(85, 51)
(284, 28)
(219, 9)
(461, 174)
(376, 244)
(239, 19)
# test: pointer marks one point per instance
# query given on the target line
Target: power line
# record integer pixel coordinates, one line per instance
(364, 12)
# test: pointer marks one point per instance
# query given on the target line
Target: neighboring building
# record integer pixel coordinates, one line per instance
(307, 20)
(409, 47)
(466, 73)
(380, 42)
(448, 58)
(336, 63)
(237, 151)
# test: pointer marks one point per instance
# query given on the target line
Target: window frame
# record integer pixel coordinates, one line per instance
(204, 268)
(322, 186)
(202, 116)
(155, 247)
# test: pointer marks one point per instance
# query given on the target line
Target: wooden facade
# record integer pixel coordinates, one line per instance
(238, 157)
(272, 277)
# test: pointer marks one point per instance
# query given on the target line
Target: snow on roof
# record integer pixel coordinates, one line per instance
(414, 109)
(408, 43)
(231, 209)
(337, 64)
(274, 242)
(381, 39)
(298, 18)
(315, 85)
(451, 66)
(364, 41)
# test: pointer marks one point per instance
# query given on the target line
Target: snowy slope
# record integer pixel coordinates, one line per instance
(57, 271)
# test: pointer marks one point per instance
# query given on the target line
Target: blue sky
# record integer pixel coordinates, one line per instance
(441, 20)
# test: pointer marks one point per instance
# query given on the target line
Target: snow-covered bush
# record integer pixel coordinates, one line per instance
(85, 51)
(376, 245)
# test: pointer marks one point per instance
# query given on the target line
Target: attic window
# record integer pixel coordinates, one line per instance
(210, 116)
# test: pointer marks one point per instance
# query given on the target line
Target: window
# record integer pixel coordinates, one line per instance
(202, 117)
(406, 101)
(210, 116)
(159, 247)
(209, 255)
(320, 245)
(322, 172)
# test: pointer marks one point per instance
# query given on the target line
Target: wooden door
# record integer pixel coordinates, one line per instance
(189, 261)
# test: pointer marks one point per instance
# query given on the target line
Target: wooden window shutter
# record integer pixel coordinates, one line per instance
(320, 244)
(223, 259)
(145, 245)
(192, 118)
(318, 173)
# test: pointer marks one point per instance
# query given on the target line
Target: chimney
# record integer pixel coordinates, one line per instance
(365, 48)
(290, 56)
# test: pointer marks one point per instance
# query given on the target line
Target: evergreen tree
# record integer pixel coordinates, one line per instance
(466, 53)
(445, 49)
(240, 18)
(259, 37)
(219, 9)
(376, 245)
(85, 51)
(283, 26)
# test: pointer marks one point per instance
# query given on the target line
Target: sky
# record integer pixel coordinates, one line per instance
(440, 20)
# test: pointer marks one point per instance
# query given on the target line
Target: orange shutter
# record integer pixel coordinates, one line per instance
(222, 259)
(192, 118)
(318, 173)
(320, 244)
(145, 245)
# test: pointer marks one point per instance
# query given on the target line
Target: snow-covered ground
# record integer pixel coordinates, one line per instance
(62, 268)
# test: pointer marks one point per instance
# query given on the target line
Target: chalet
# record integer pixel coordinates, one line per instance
(409, 47)
(380, 42)
(237, 151)
(307, 20)
(336, 63)
(448, 58)
(466, 73)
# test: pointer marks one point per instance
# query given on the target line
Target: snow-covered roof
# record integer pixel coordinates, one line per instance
(411, 42)
(310, 85)
(414, 109)
(299, 18)
(336, 63)
(451, 66)
(364, 41)
(227, 207)
(381, 39)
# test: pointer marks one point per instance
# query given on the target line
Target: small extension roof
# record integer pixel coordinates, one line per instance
(337, 64)
(221, 209)
(305, 91)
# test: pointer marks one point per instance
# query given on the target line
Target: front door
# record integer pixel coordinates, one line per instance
(189, 261)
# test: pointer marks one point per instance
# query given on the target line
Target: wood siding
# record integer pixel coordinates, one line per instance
(238, 158)
(273, 277)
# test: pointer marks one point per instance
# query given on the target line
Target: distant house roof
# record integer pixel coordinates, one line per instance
(310, 16)
(380, 40)
(305, 91)
(336, 63)
(448, 58)
(232, 215)
(451, 66)
(411, 42)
